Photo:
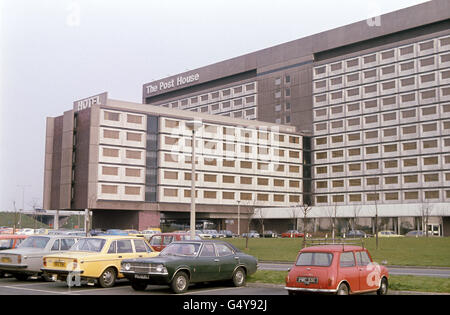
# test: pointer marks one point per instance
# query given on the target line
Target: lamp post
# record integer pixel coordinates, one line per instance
(239, 218)
(194, 125)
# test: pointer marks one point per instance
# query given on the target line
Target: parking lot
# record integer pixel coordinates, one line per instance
(11, 286)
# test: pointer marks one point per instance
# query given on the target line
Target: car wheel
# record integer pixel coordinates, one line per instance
(343, 289)
(108, 278)
(239, 277)
(180, 282)
(383, 287)
(138, 285)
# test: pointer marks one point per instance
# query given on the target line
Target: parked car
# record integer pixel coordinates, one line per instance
(25, 231)
(270, 234)
(292, 234)
(388, 234)
(227, 233)
(339, 269)
(203, 234)
(251, 234)
(356, 233)
(10, 241)
(149, 233)
(26, 259)
(415, 233)
(186, 262)
(159, 241)
(97, 259)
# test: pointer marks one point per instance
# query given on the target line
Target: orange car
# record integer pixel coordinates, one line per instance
(336, 269)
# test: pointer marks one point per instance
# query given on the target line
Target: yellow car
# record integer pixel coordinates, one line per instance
(96, 259)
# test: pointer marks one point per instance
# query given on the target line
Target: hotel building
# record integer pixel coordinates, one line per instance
(131, 164)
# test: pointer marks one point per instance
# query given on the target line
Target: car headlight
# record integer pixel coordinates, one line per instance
(127, 266)
(160, 268)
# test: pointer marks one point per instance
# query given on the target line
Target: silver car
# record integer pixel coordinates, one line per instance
(27, 259)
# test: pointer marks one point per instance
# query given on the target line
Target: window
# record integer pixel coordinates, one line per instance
(109, 170)
(208, 251)
(169, 192)
(55, 245)
(113, 248)
(210, 194)
(112, 116)
(124, 246)
(141, 247)
(362, 259)
(132, 190)
(347, 260)
(223, 250)
(135, 119)
(110, 134)
(314, 259)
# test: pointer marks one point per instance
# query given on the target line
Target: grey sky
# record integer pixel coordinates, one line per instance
(53, 52)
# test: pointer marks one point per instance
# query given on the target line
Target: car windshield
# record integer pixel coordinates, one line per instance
(314, 259)
(89, 245)
(34, 242)
(181, 249)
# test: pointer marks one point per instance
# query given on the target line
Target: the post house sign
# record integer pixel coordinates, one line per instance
(171, 83)
(99, 99)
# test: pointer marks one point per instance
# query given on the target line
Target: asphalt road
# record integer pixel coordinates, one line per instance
(393, 270)
(11, 286)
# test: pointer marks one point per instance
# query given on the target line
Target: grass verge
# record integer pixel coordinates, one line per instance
(405, 251)
(397, 283)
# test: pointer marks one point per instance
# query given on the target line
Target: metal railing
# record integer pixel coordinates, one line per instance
(333, 241)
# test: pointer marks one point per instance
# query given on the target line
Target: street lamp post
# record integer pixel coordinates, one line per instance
(239, 218)
(194, 125)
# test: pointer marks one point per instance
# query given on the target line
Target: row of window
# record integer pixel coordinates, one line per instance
(232, 179)
(243, 134)
(405, 52)
(379, 89)
(427, 195)
(371, 106)
(411, 75)
(231, 195)
(216, 147)
(376, 165)
(226, 105)
(370, 182)
(243, 165)
(374, 120)
(214, 96)
(113, 189)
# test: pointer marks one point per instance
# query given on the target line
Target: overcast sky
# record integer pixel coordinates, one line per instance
(53, 52)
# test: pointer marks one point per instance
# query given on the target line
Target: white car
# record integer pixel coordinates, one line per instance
(26, 231)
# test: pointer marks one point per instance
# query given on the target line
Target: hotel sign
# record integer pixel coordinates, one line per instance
(99, 99)
(172, 83)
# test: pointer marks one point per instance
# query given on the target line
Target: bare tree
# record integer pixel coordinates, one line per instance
(305, 208)
(356, 210)
(332, 214)
(425, 212)
(260, 215)
(294, 213)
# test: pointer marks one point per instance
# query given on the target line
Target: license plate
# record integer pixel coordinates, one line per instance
(307, 280)
(59, 264)
(6, 260)
(137, 276)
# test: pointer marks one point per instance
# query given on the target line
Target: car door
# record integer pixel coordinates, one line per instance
(141, 248)
(368, 276)
(348, 270)
(227, 260)
(206, 265)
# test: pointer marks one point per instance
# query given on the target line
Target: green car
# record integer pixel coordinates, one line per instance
(186, 262)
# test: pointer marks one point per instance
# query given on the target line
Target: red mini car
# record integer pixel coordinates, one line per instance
(292, 234)
(338, 269)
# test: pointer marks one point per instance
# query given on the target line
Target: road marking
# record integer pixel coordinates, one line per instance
(36, 290)
(211, 290)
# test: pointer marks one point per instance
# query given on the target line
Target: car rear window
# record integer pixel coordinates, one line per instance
(314, 259)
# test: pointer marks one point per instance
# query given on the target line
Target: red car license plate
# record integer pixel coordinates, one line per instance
(307, 280)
